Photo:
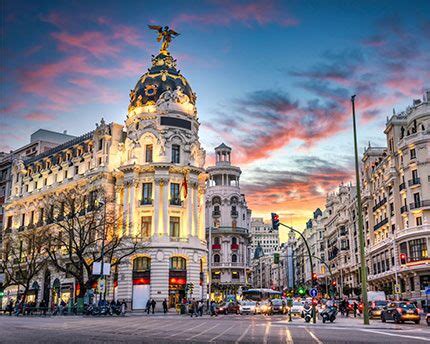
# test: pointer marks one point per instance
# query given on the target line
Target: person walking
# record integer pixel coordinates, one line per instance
(148, 306)
(153, 303)
(192, 305)
(200, 308)
(213, 308)
(355, 309)
(165, 306)
(123, 307)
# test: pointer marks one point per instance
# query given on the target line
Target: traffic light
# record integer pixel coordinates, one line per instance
(333, 284)
(314, 278)
(276, 258)
(275, 221)
(1, 292)
(402, 258)
(301, 291)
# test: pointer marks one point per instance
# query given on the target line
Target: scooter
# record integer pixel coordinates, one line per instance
(329, 314)
(307, 313)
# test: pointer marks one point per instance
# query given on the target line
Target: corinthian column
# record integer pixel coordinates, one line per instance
(201, 208)
(165, 202)
(125, 210)
(131, 208)
(157, 213)
(195, 210)
(189, 215)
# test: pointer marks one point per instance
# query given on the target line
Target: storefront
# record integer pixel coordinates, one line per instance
(141, 282)
(177, 280)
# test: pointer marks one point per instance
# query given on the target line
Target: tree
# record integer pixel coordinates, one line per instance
(85, 225)
(23, 258)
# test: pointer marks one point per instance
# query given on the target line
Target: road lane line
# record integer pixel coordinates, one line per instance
(221, 333)
(243, 334)
(266, 333)
(203, 332)
(289, 337)
(187, 329)
(313, 336)
(396, 335)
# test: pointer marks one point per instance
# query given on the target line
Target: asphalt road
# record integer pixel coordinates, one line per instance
(222, 329)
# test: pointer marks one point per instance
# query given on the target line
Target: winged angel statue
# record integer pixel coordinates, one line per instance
(165, 34)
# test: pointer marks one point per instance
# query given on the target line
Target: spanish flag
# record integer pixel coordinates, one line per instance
(184, 186)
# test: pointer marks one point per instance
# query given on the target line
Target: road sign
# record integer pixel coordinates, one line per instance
(427, 291)
(313, 292)
(397, 289)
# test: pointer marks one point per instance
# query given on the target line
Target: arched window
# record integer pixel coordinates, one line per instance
(216, 258)
(141, 264)
(234, 200)
(178, 263)
(216, 241)
(234, 240)
(216, 208)
(234, 258)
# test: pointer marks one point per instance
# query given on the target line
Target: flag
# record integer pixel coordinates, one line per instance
(184, 186)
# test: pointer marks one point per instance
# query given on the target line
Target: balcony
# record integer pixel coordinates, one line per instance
(234, 213)
(402, 186)
(380, 224)
(216, 213)
(419, 204)
(216, 247)
(234, 247)
(403, 209)
(175, 201)
(379, 204)
(414, 181)
(146, 201)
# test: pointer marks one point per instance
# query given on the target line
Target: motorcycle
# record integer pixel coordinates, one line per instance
(329, 314)
(114, 309)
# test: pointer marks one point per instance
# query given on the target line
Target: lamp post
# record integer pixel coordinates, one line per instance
(210, 264)
(360, 222)
(103, 247)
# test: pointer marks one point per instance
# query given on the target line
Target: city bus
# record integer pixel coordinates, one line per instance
(261, 294)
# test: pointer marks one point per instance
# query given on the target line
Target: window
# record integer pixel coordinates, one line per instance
(76, 170)
(417, 249)
(235, 275)
(417, 200)
(145, 226)
(146, 193)
(234, 224)
(9, 222)
(234, 240)
(412, 283)
(413, 153)
(216, 241)
(65, 174)
(419, 221)
(178, 263)
(174, 194)
(174, 227)
(234, 258)
(148, 153)
(31, 218)
(176, 154)
(415, 176)
(141, 264)
(216, 258)
(100, 144)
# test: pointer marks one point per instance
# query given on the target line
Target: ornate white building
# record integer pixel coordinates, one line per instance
(228, 218)
(151, 171)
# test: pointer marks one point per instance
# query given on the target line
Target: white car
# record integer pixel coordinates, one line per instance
(248, 307)
(297, 307)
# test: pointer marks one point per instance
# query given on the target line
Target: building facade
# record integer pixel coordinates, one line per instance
(228, 221)
(150, 171)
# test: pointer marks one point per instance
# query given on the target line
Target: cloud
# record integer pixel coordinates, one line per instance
(39, 117)
(248, 13)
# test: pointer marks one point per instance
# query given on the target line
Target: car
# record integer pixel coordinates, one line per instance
(228, 308)
(297, 307)
(428, 319)
(279, 306)
(265, 307)
(376, 307)
(248, 307)
(400, 312)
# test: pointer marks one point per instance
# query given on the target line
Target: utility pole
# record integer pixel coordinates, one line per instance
(210, 264)
(360, 223)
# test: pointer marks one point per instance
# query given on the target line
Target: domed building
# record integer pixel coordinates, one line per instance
(228, 221)
(151, 173)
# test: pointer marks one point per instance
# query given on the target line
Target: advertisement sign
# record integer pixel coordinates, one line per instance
(97, 268)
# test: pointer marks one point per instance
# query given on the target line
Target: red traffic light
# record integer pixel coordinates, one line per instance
(333, 283)
(314, 277)
(402, 258)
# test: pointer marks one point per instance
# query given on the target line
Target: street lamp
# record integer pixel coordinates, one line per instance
(360, 222)
(103, 203)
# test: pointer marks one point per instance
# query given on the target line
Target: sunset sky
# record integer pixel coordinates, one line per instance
(273, 79)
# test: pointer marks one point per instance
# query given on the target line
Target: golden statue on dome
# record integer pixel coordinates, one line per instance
(166, 34)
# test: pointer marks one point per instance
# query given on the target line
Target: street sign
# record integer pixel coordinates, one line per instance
(97, 268)
(397, 289)
(427, 291)
(102, 285)
(313, 292)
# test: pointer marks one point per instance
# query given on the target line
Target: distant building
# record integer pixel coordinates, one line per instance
(262, 233)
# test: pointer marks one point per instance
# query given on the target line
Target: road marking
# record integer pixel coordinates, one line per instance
(313, 336)
(289, 337)
(397, 335)
(203, 332)
(243, 334)
(187, 329)
(266, 333)
(221, 333)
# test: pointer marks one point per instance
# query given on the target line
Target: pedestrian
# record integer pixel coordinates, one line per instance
(9, 307)
(213, 308)
(191, 308)
(165, 306)
(355, 305)
(148, 306)
(123, 307)
(200, 308)
(153, 303)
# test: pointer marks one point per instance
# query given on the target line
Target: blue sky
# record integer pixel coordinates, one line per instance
(273, 78)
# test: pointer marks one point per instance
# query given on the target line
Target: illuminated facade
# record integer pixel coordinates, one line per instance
(228, 218)
(151, 172)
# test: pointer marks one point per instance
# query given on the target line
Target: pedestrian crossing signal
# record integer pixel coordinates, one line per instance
(275, 221)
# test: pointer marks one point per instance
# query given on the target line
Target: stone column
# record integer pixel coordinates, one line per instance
(125, 209)
(195, 210)
(125, 283)
(189, 214)
(131, 208)
(202, 215)
(157, 214)
(165, 202)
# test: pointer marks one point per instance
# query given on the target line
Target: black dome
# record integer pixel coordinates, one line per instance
(162, 76)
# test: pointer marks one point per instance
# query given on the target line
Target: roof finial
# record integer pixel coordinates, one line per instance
(164, 34)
